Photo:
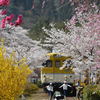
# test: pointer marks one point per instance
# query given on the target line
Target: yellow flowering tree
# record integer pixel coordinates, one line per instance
(13, 75)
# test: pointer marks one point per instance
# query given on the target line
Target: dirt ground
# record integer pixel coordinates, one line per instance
(40, 95)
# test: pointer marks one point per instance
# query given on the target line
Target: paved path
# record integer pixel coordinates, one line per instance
(40, 95)
(71, 98)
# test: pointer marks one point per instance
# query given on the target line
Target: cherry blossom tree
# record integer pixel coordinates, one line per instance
(82, 41)
(19, 42)
(16, 39)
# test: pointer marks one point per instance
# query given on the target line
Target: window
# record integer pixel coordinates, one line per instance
(57, 63)
(48, 63)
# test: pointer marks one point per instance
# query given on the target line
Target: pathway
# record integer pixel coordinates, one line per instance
(40, 95)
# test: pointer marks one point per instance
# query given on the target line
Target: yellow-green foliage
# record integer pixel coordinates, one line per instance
(13, 76)
(91, 92)
(30, 89)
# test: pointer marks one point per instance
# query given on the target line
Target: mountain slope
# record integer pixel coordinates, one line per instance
(49, 10)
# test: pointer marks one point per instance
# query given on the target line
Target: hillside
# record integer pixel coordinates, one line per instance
(37, 10)
(39, 13)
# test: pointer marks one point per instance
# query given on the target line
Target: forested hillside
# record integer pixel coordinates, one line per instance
(35, 11)
(39, 13)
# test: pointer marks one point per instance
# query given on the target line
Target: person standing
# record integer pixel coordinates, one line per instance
(50, 90)
(65, 88)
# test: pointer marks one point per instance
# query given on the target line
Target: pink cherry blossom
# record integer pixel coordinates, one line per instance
(4, 12)
(12, 24)
(98, 52)
(3, 23)
(73, 20)
(19, 20)
(4, 2)
(9, 18)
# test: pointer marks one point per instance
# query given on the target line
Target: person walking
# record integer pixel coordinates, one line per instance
(23, 97)
(65, 88)
(50, 90)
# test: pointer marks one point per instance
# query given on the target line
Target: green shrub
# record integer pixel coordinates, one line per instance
(59, 25)
(91, 92)
(39, 84)
(30, 89)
